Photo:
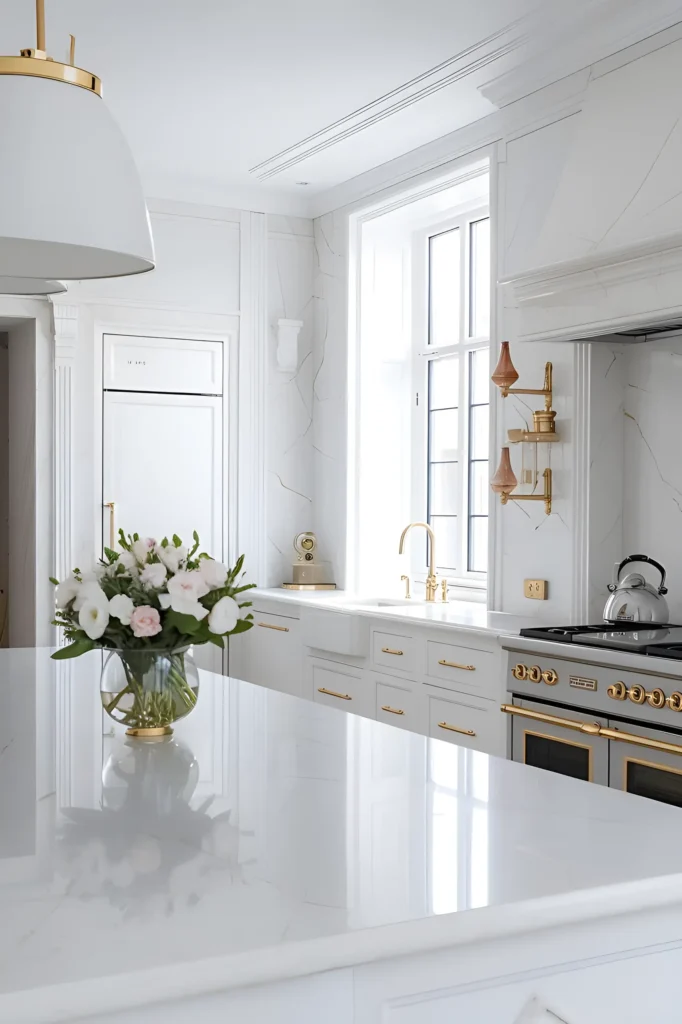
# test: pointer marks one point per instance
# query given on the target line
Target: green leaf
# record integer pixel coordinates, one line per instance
(184, 623)
(177, 541)
(217, 640)
(74, 650)
(54, 581)
(242, 626)
(111, 555)
(164, 542)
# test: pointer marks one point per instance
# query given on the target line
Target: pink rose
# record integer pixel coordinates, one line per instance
(145, 621)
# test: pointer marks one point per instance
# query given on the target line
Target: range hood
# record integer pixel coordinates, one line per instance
(606, 246)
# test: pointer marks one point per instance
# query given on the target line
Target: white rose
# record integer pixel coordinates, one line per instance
(66, 591)
(94, 618)
(128, 561)
(153, 575)
(224, 616)
(121, 607)
(184, 591)
(172, 557)
(214, 573)
(92, 593)
(141, 548)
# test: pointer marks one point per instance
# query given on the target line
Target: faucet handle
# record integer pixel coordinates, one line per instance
(444, 590)
(406, 581)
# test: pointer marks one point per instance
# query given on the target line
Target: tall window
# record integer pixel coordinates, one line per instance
(451, 365)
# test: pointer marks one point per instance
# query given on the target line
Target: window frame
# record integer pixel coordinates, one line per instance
(422, 355)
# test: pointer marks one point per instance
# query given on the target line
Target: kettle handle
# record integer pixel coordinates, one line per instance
(662, 589)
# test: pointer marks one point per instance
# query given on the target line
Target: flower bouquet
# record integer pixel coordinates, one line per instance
(148, 604)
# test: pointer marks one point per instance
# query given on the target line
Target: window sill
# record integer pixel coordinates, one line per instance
(477, 595)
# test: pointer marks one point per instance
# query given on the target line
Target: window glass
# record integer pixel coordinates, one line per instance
(445, 528)
(443, 488)
(444, 383)
(443, 435)
(479, 287)
(444, 288)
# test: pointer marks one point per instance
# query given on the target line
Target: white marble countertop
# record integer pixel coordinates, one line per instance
(246, 849)
(472, 616)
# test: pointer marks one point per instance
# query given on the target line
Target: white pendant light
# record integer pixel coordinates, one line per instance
(71, 201)
(29, 286)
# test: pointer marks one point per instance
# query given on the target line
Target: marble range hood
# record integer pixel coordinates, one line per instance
(607, 251)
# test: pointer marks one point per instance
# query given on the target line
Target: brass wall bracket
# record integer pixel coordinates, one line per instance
(546, 496)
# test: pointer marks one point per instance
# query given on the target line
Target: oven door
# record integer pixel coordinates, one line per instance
(646, 770)
(542, 740)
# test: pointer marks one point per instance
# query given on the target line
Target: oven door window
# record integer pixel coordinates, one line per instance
(558, 755)
(646, 771)
(557, 748)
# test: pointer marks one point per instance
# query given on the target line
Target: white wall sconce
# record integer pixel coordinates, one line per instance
(287, 344)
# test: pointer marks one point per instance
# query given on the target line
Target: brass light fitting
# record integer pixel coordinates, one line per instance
(36, 63)
(505, 376)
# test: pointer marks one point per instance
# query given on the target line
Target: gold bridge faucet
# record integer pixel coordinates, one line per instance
(431, 579)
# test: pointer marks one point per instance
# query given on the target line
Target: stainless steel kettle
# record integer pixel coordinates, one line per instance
(632, 599)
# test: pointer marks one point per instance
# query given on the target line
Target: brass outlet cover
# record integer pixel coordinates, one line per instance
(536, 590)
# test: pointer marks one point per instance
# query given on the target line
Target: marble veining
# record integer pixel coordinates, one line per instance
(272, 837)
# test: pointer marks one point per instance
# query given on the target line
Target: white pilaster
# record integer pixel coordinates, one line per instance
(65, 327)
(253, 336)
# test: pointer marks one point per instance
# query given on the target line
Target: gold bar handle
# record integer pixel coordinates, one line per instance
(594, 729)
(455, 664)
(389, 650)
(111, 505)
(393, 711)
(456, 728)
(268, 625)
(332, 693)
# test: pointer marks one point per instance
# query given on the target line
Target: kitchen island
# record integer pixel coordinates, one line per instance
(284, 861)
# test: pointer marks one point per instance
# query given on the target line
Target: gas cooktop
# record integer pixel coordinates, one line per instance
(660, 639)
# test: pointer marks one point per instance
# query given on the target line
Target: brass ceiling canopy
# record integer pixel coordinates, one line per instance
(36, 63)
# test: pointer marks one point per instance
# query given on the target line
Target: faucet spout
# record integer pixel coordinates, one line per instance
(431, 579)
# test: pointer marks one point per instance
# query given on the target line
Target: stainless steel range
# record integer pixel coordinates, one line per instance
(600, 703)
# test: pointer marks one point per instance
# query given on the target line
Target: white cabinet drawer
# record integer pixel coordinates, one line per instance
(458, 667)
(397, 705)
(342, 687)
(269, 654)
(468, 723)
(394, 651)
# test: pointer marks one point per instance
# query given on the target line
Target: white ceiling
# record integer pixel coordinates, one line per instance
(217, 96)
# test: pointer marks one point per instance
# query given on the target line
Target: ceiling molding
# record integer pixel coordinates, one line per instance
(612, 26)
(461, 65)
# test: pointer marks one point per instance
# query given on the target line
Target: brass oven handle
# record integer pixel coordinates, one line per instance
(455, 664)
(332, 693)
(393, 711)
(456, 728)
(111, 505)
(389, 650)
(594, 729)
(268, 625)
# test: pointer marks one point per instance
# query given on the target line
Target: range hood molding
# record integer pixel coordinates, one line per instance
(608, 242)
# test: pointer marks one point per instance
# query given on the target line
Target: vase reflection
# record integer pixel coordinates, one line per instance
(152, 846)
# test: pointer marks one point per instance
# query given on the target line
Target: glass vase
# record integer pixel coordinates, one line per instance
(147, 691)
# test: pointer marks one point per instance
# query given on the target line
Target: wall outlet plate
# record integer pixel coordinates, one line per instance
(535, 589)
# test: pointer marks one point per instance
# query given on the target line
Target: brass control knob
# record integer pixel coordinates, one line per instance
(674, 701)
(534, 674)
(637, 694)
(520, 671)
(617, 691)
(656, 697)
(550, 677)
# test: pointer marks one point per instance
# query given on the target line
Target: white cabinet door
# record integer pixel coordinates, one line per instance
(270, 654)
(162, 467)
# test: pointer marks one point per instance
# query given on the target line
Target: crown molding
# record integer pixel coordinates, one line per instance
(467, 62)
(619, 30)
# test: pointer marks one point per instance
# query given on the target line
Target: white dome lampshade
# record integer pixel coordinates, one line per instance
(71, 200)
(29, 286)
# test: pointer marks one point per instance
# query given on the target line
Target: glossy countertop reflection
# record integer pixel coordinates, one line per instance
(271, 837)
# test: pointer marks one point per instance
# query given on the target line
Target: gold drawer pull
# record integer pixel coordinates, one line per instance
(331, 693)
(389, 650)
(456, 728)
(268, 625)
(455, 664)
(393, 711)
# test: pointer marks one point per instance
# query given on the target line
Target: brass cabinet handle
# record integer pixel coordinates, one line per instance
(111, 505)
(393, 711)
(456, 728)
(455, 664)
(594, 729)
(389, 650)
(332, 693)
(268, 625)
